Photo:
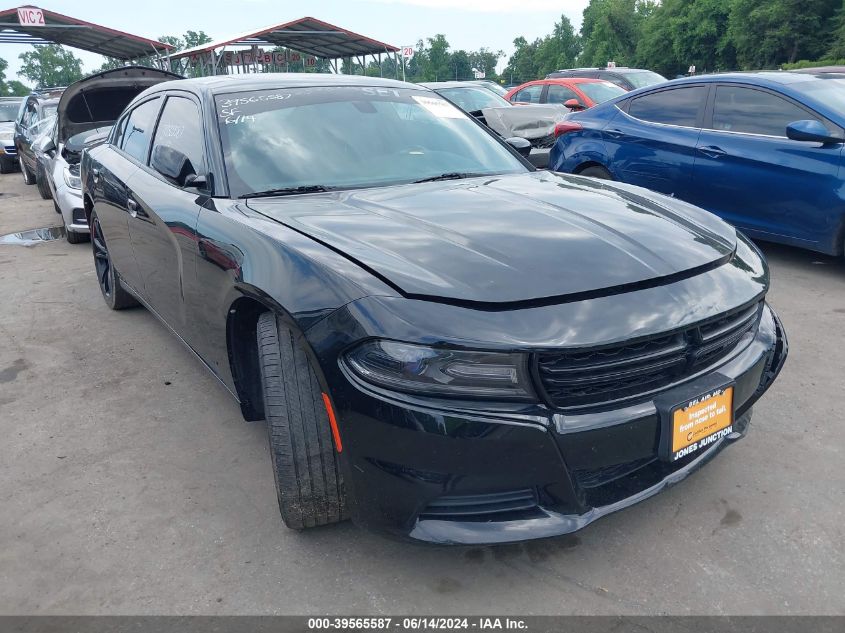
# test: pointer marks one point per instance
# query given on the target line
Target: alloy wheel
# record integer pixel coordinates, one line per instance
(102, 261)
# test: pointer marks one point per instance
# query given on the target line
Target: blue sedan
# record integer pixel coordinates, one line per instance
(762, 150)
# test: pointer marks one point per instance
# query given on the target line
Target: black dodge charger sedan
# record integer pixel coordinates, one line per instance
(445, 344)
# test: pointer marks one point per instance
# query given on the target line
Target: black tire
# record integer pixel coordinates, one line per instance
(596, 171)
(309, 484)
(41, 181)
(76, 238)
(114, 294)
(28, 177)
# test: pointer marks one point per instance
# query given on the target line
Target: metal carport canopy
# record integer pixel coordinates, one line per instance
(63, 29)
(306, 35)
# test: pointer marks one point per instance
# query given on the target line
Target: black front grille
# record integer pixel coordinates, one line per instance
(543, 142)
(579, 377)
(466, 506)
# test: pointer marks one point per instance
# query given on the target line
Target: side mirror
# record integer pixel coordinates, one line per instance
(173, 165)
(521, 145)
(196, 182)
(45, 145)
(573, 104)
(812, 131)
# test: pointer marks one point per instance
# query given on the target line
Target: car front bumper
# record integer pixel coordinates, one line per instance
(70, 204)
(435, 472)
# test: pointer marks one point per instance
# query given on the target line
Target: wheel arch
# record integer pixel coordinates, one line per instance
(241, 333)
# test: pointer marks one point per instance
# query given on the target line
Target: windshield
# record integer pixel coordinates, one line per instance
(828, 91)
(9, 110)
(473, 99)
(600, 91)
(493, 87)
(349, 137)
(642, 78)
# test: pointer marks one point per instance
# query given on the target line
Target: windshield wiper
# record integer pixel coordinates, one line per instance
(451, 175)
(287, 191)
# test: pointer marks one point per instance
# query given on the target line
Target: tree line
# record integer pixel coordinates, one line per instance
(667, 36)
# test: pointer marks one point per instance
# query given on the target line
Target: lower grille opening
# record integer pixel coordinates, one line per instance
(488, 507)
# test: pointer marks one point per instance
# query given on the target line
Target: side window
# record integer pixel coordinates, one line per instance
(178, 148)
(679, 106)
(531, 94)
(139, 129)
(560, 94)
(616, 79)
(738, 109)
(117, 135)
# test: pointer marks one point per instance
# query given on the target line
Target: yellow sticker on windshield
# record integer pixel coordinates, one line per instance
(439, 107)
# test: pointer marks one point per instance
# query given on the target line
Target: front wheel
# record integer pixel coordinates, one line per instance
(309, 484)
(114, 294)
(596, 171)
(43, 185)
(28, 176)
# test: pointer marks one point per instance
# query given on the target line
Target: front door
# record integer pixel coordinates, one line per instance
(748, 172)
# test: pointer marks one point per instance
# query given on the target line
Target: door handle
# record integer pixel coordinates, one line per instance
(712, 151)
(614, 133)
(132, 207)
(95, 173)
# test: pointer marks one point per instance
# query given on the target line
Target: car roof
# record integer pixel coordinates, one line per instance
(434, 85)
(571, 80)
(606, 70)
(267, 81)
(771, 78)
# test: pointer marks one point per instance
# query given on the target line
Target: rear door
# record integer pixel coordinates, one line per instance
(163, 209)
(118, 161)
(749, 173)
(652, 142)
(529, 94)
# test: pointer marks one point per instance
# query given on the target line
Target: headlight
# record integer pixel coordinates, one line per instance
(7, 136)
(72, 179)
(444, 372)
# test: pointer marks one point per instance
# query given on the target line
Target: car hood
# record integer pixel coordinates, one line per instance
(72, 150)
(530, 122)
(511, 238)
(97, 100)
(5, 126)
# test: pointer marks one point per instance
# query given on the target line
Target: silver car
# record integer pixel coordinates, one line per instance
(86, 111)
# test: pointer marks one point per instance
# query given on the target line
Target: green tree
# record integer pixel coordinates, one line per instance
(522, 65)
(50, 65)
(485, 60)
(195, 38)
(683, 33)
(773, 32)
(110, 63)
(437, 57)
(558, 50)
(15, 88)
(610, 30)
(174, 41)
(460, 66)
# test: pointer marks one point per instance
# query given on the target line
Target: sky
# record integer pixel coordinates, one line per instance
(467, 24)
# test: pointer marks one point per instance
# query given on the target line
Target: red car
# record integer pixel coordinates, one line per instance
(576, 93)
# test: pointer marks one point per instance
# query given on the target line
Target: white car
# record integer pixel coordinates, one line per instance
(86, 111)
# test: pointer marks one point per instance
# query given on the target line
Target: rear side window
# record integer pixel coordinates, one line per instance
(561, 94)
(531, 94)
(739, 109)
(139, 129)
(178, 148)
(679, 106)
